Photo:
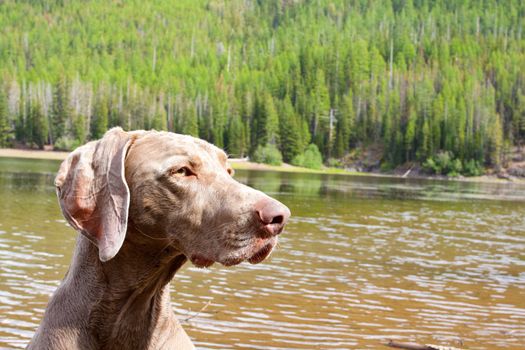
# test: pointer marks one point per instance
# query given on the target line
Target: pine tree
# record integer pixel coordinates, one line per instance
(410, 135)
(289, 131)
(235, 138)
(495, 143)
(414, 77)
(38, 125)
(60, 110)
(79, 129)
(190, 124)
(345, 121)
(6, 131)
(99, 120)
(425, 149)
(271, 120)
(320, 112)
(259, 135)
(159, 120)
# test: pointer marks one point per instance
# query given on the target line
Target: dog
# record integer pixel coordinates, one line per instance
(146, 202)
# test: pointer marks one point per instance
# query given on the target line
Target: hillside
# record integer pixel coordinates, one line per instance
(416, 79)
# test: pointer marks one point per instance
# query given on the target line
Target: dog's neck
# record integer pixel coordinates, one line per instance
(141, 266)
(132, 294)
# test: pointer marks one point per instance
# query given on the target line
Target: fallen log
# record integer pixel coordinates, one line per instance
(415, 346)
(504, 176)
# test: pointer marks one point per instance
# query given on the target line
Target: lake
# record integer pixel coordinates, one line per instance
(363, 259)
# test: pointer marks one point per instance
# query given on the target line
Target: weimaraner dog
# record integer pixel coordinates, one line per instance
(144, 203)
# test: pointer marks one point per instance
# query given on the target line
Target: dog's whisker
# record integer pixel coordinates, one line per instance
(150, 237)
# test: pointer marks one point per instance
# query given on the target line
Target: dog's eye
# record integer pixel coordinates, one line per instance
(184, 171)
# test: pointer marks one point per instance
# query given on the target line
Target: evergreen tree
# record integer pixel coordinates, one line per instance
(79, 129)
(99, 120)
(60, 110)
(5, 128)
(235, 138)
(320, 110)
(289, 131)
(414, 78)
(37, 125)
(495, 143)
(159, 120)
(190, 124)
(271, 120)
(410, 134)
(345, 121)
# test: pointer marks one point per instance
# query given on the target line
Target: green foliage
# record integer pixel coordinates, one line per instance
(311, 158)
(99, 120)
(60, 110)
(334, 163)
(38, 125)
(235, 138)
(289, 131)
(345, 122)
(413, 76)
(268, 154)
(386, 167)
(441, 164)
(158, 121)
(79, 129)
(495, 143)
(456, 168)
(271, 120)
(473, 168)
(6, 132)
(66, 143)
(190, 125)
(444, 163)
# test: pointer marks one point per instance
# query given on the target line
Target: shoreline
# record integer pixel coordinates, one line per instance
(242, 164)
(32, 154)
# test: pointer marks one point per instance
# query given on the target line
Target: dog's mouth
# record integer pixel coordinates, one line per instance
(201, 261)
(258, 252)
(262, 253)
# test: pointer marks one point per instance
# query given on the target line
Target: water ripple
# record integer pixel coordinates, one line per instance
(356, 265)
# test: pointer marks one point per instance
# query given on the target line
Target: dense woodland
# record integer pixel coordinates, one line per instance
(414, 78)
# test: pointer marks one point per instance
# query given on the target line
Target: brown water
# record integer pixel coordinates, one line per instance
(362, 260)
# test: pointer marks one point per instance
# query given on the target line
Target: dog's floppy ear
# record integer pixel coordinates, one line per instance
(93, 193)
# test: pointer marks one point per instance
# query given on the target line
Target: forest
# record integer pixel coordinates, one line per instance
(419, 80)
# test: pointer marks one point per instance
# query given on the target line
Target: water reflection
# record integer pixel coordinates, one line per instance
(27, 181)
(348, 187)
(362, 260)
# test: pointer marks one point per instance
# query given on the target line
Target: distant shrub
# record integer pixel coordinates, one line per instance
(66, 143)
(455, 168)
(268, 154)
(311, 158)
(386, 167)
(298, 160)
(440, 164)
(473, 168)
(335, 163)
(444, 163)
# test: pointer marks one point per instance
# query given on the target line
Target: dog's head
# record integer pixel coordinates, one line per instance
(172, 188)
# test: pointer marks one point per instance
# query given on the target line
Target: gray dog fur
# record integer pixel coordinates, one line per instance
(145, 202)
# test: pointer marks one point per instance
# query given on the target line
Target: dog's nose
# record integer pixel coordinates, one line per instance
(273, 215)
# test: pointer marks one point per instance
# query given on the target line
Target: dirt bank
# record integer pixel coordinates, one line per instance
(247, 165)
